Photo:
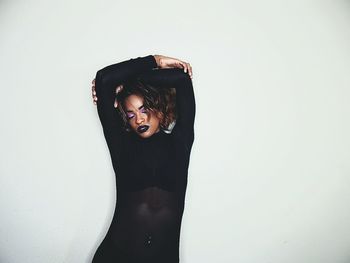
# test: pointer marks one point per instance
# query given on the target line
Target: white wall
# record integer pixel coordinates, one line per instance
(269, 173)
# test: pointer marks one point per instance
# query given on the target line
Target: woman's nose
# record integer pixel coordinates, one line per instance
(139, 119)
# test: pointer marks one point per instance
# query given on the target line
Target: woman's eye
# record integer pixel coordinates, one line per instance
(130, 116)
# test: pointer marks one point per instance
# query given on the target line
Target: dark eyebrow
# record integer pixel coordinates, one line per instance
(139, 108)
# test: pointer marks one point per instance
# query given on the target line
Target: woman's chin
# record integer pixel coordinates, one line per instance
(145, 134)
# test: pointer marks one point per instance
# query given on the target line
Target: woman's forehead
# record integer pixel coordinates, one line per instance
(133, 102)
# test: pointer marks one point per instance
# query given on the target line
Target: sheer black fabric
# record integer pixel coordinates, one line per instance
(151, 173)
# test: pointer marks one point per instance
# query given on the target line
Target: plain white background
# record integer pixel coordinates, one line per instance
(269, 173)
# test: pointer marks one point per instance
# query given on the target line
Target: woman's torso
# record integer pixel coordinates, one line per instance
(151, 178)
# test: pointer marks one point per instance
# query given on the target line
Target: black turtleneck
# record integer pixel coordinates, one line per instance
(151, 173)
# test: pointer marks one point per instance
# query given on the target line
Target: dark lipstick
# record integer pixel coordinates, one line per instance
(142, 128)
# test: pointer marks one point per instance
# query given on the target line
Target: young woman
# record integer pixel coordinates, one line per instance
(149, 159)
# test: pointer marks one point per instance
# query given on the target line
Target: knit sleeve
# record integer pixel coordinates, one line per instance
(107, 79)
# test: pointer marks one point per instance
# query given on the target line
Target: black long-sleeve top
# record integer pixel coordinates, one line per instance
(151, 173)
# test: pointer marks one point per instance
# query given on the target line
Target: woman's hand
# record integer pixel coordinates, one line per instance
(94, 97)
(168, 62)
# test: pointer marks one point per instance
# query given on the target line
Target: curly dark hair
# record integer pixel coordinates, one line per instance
(161, 101)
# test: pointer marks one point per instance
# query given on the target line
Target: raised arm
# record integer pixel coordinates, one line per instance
(107, 79)
(185, 100)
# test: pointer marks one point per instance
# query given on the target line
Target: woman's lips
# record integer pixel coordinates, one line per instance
(142, 128)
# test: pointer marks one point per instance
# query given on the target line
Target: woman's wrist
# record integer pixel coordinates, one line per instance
(157, 59)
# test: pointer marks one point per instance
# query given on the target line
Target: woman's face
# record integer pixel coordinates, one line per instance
(142, 121)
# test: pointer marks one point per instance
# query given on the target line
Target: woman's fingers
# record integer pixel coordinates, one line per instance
(184, 66)
(95, 100)
(190, 70)
(187, 68)
(117, 90)
(94, 97)
(93, 86)
(181, 64)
